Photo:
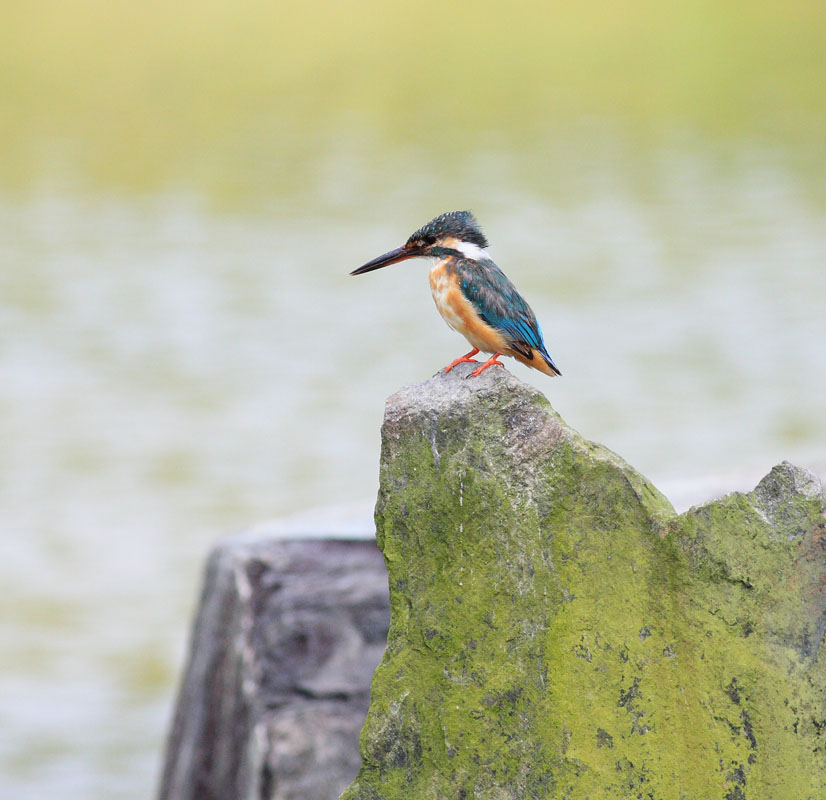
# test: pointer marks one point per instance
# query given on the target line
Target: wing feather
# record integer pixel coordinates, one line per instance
(498, 303)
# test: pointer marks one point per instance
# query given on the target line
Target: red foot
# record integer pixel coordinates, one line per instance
(466, 358)
(489, 363)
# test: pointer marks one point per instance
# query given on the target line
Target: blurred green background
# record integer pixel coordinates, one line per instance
(227, 97)
(184, 188)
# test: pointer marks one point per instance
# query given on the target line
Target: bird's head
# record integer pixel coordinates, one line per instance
(453, 233)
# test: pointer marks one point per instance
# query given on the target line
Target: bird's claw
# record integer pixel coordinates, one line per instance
(492, 361)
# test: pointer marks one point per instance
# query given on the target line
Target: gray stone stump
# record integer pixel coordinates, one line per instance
(276, 688)
(559, 632)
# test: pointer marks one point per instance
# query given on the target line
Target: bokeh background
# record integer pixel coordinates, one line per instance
(184, 187)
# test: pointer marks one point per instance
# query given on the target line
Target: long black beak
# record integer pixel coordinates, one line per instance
(393, 257)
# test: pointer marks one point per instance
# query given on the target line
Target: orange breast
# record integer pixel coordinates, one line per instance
(458, 312)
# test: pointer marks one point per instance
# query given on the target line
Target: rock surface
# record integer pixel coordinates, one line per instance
(558, 631)
(276, 689)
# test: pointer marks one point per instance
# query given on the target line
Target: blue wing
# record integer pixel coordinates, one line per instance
(499, 304)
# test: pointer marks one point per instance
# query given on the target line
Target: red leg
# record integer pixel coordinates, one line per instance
(469, 358)
(489, 363)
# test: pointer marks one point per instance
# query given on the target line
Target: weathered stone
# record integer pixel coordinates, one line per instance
(558, 631)
(286, 640)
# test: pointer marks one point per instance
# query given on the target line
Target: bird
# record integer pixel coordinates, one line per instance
(474, 296)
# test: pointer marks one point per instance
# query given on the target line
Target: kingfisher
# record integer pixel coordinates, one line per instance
(472, 294)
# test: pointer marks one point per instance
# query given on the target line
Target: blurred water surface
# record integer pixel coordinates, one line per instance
(183, 190)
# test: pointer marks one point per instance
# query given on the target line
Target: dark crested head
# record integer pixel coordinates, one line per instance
(453, 233)
(460, 225)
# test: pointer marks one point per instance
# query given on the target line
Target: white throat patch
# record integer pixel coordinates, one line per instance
(472, 251)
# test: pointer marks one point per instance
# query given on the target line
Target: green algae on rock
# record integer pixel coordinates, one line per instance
(557, 631)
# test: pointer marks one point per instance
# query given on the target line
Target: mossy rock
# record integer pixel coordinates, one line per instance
(558, 631)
